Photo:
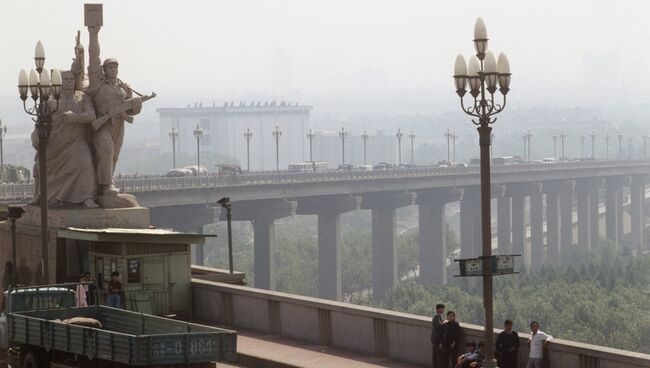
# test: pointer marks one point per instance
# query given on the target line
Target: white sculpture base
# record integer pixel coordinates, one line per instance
(133, 217)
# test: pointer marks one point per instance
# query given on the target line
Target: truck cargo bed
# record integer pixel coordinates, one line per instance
(125, 337)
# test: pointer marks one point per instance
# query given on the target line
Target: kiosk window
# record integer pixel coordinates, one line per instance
(134, 270)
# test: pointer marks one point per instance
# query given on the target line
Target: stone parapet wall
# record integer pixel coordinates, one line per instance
(366, 330)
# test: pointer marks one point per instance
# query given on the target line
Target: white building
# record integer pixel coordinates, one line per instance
(224, 128)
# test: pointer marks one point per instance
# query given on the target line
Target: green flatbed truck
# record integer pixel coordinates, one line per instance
(41, 334)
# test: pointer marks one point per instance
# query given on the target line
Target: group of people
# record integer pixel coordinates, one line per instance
(446, 336)
(86, 291)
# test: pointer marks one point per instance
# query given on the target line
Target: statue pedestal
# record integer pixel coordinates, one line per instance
(130, 218)
(28, 237)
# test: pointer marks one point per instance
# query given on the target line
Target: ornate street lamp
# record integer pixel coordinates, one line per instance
(173, 134)
(277, 134)
(485, 76)
(593, 146)
(343, 134)
(41, 88)
(399, 135)
(248, 135)
(364, 136)
(310, 136)
(412, 137)
(198, 133)
(449, 135)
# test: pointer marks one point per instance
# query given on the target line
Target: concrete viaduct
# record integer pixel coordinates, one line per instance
(549, 192)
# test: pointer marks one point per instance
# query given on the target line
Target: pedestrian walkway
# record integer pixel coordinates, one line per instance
(259, 350)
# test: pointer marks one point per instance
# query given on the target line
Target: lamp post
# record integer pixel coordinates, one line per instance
(248, 135)
(3, 133)
(562, 139)
(449, 135)
(453, 146)
(399, 135)
(620, 145)
(645, 145)
(310, 137)
(555, 146)
(483, 74)
(343, 134)
(225, 203)
(412, 137)
(173, 134)
(365, 137)
(41, 87)
(607, 147)
(582, 147)
(276, 135)
(198, 133)
(523, 155)
(593, 146)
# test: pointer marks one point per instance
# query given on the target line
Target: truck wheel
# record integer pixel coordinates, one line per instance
(30, 361)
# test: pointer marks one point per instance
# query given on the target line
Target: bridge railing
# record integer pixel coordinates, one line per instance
(19, 192)
(371, 331)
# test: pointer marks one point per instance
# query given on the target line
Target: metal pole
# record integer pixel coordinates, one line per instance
(248, 154)
(524, 148)
(365, 139)
(453, 140)
(229, 219)
(620, 146)
(562, 137)
(555, 147)
(593, 146)
(174, 152)
(198, 155)
(448, 135)
(412, 136)
(343, 148)
(629, 148)
(43, 127)
(277, 153)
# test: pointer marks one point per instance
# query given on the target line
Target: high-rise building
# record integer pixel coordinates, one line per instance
(224, 127)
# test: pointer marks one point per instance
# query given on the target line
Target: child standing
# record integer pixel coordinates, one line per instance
(114, 291)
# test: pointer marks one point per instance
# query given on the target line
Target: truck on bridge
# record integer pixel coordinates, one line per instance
(44, 328)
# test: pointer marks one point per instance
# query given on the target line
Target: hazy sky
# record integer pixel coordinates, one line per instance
(222, 49)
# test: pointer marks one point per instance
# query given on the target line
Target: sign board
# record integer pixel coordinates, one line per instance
(501, 265)
(93, 15)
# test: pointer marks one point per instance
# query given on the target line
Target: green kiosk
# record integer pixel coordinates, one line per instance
(154, 265)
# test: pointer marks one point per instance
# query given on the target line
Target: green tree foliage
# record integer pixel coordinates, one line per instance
(599, 297)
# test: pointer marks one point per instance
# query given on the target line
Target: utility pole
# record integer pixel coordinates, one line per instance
(620, 145)
(563, 138)
(276, 135)
(343, 134)
(449, 135)
(399, 135)
(593, 146)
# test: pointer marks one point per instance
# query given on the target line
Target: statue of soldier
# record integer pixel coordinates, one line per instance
(108, 92)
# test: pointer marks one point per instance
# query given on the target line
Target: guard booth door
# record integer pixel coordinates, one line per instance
(179, 281)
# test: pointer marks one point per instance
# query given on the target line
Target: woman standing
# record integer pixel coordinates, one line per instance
(450, 339)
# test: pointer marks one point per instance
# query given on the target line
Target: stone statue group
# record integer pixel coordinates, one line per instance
(87, 131)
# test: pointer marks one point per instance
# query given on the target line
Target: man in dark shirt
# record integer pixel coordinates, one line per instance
(114, 291)
(450, 340)
(507, 347)
(436, 335)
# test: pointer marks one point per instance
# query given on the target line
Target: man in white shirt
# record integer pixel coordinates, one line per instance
(537, 341)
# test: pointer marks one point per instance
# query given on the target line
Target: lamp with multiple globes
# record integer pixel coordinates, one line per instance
(45, 89)
(484, 74)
